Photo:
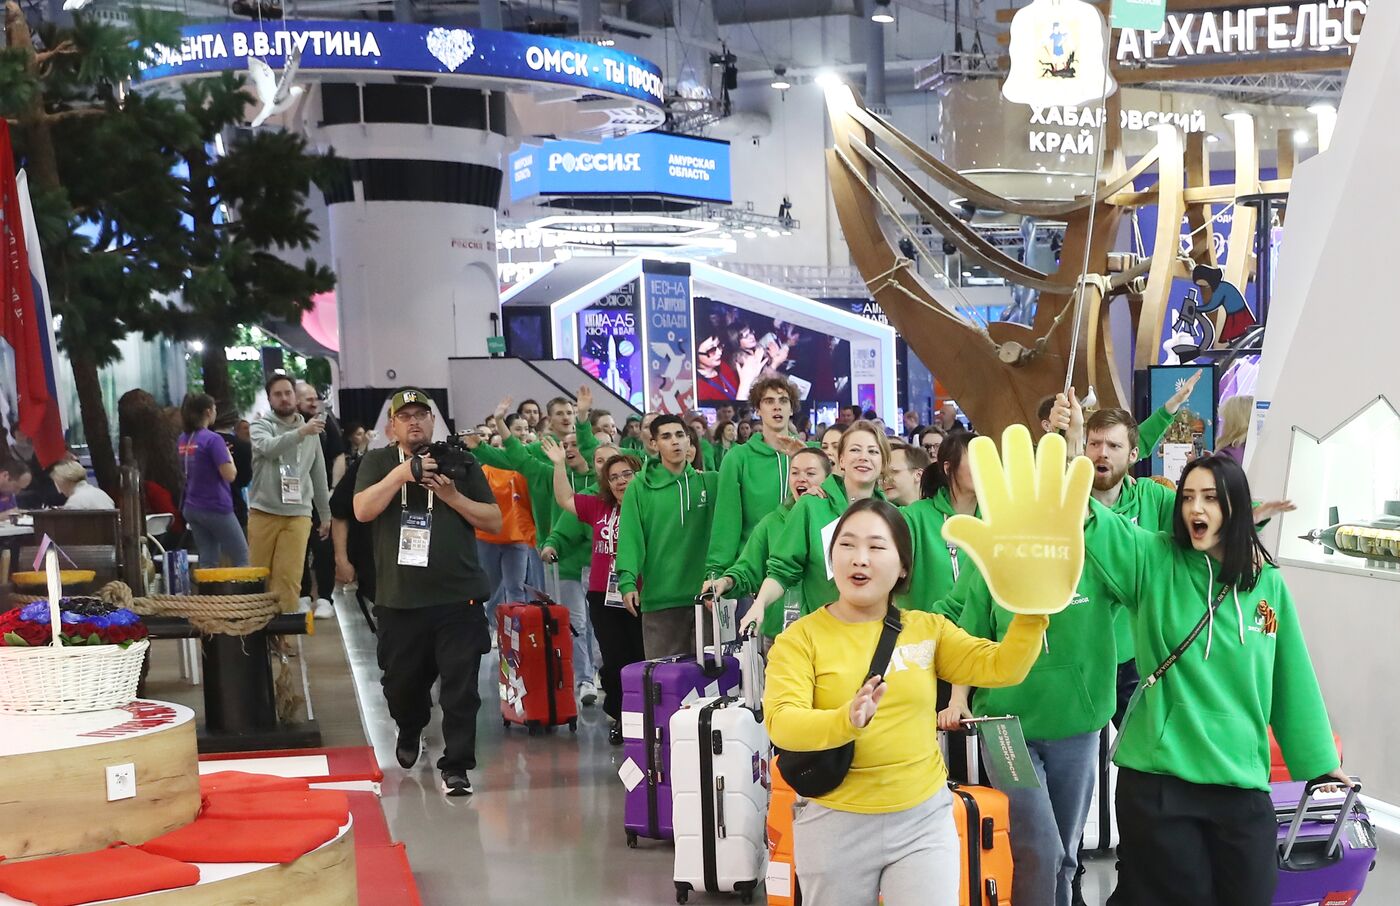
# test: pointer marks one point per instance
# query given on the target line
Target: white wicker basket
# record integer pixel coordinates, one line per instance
(67, 680)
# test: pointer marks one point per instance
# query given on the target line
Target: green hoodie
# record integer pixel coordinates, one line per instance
(1073, 687)
(1149, 505)
(747, 572)
(753, 482)
(1207, 721)
(1152, 430)
(799, 550)
(662, 533)
(539, 477)
(937, 564)
(572, 540)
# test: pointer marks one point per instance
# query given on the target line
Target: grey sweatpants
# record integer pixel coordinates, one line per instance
(669, 632)
(851, 859)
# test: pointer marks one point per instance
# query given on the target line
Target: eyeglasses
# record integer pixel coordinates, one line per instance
(621, 476)
(707, 350)
(931, 448)
(421, 415)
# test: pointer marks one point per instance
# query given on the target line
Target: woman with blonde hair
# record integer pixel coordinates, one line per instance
(1235, 414)
(70, 478)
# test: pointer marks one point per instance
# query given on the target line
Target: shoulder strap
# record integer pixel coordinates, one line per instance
(1179, 650)
(884, 649)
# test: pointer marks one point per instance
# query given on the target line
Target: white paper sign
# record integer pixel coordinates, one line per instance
(1174, 460)
(632, 725)
(827, 534)
(779, 879)
(631, 775)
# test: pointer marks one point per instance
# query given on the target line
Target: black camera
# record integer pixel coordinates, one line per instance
(454, 461)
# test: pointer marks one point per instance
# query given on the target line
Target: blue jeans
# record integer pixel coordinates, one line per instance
(507, 568)
(1046, 823)
(219, 538)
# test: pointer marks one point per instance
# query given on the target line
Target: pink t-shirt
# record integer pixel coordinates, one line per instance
(593, 511)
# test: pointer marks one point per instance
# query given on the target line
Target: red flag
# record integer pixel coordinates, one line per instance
(22, 325)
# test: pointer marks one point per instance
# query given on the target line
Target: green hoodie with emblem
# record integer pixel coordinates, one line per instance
(1072, 689)
(799, 553)
(753, 482)
(1148, 505)
(937, 564)
(1207, 720)
(663, 531)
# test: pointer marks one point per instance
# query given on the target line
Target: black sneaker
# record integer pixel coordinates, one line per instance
(408, 748)
(456, 783)
(615, 735)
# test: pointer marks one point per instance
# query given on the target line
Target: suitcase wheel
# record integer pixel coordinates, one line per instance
(631, 840)
(573, 725)
(682, 891)
(745, 889)
(534, 729)
(505, 722)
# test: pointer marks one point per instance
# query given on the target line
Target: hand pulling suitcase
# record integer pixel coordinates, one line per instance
(1327, 845)
(719, 764)
(651, 692)
(983, 819)
(537, 665)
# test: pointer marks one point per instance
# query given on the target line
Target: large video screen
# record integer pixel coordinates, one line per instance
(735, 346)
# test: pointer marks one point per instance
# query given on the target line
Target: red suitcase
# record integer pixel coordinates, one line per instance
(537, 665)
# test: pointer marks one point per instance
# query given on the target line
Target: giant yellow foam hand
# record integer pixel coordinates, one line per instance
(1029, 543)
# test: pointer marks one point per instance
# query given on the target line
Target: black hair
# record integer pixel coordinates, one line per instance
(1211, 275)
(277, 378)
(193, 410)
(514, 417)
(15, 468)
(940, 473)
(899, 533)
(523, 403)
(663, 420)
(1245, 555)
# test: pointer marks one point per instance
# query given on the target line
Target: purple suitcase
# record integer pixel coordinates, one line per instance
(1326, 846)
(651, 692)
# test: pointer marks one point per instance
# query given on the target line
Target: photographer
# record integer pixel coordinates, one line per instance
(430, 586)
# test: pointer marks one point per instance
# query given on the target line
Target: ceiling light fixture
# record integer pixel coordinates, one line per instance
(780, 81)
(1300, 135)
(883, 13)
(827, 80)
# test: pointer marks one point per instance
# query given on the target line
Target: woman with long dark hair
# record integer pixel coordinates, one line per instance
(207, 463)
(1195, 818)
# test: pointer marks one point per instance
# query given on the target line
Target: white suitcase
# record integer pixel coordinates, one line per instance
(719, 787)
(1101, 827)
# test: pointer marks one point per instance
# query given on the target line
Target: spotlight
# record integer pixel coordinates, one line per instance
(1321, 109)
(827, 80)
(882, 12)
(1300, 136)
(1212, 138)
(197, 345)
(780, 81)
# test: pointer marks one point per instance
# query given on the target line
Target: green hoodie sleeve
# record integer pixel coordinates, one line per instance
(1117, 549)
(631, 542)
(574, 543)
(495, 457)
(587, 441)
(707, 453)
(1152, 430)
(789, 552)
(1299, 716)
(747, 571)
(728, 524)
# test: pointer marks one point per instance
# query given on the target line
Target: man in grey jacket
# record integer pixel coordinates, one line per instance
(289, 475)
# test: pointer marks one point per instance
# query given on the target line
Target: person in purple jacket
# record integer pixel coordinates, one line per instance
(209, 470)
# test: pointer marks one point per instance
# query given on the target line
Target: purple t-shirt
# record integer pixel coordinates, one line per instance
(201, 454)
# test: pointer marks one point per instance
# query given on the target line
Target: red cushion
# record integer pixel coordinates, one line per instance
(243, 840)
(122, 871)
(331, 805)
(244, 782)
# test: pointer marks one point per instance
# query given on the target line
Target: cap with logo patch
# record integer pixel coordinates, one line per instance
(409, 397)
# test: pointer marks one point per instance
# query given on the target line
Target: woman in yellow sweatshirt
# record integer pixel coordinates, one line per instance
(888, 828)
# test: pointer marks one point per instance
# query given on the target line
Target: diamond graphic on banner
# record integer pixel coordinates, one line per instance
(452, 46)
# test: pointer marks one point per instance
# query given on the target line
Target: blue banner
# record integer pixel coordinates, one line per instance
(393, 47)
(671, 372)
(648, 163)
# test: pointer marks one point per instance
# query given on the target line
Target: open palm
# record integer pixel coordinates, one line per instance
(1029, 543)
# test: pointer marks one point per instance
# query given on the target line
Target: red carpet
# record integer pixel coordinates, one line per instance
(345, 764)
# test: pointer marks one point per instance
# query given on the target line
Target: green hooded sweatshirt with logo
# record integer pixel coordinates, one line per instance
(663, 532)
(799, 555)
(1072, 688)
(539, 478)
(1148, 505)
(753, 482)
(748, 571)
(937, 564)
(1207, 720)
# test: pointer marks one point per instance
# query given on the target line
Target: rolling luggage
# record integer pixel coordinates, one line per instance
(651, 692)
(1327, 845)
(1101, 825)
(781, 878)
(983, 819)
(537, 665)
(719, 776)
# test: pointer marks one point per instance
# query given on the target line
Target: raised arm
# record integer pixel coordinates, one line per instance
(563, 490)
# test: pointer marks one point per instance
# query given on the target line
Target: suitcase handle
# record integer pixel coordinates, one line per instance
(1334, 839)
(712, 669)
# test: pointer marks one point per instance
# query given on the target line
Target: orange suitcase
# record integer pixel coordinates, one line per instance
(983, 819)
(781, 881)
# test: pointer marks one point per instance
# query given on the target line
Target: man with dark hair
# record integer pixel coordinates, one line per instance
(849, 414)
(663, 530)
(289, 476)
(430, 587)
(14, 477)
(531, 410)
(321, 563)
(930, 440)
(700, 427)
(912, 427)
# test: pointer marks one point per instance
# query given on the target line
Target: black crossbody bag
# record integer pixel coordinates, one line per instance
(812, 774)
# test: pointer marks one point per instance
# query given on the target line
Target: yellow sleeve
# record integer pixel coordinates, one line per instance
(965, 660)
(792, 722)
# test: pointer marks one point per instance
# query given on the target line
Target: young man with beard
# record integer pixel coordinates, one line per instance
(430, 587)
(663, 530)
(289, 475)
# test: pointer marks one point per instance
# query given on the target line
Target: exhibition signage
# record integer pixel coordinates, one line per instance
(1191, 433)
(395, 47)
(1317, 25)
(648, 163)
(1144, 14)
(667, 336)
(610, 344)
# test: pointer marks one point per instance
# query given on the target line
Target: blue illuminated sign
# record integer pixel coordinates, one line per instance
(394, 47)
(648, 163)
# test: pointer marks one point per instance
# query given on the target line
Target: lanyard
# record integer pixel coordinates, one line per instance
(403, 489)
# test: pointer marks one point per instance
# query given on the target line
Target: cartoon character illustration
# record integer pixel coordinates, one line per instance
(1219, 294)
(1192, 332)
(1059, 62)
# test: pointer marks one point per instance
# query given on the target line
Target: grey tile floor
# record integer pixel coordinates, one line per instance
(545, 824)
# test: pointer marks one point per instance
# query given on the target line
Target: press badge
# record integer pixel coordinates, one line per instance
(291, 484)
(415, 531)
(792, 607)
(612, 597)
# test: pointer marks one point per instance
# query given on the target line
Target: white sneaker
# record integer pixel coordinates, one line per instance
(304, 605)
(587, 693)
(325, 610)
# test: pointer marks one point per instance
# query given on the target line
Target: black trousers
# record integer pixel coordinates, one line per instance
(1190, 844)
(415, 648)
(620, 641)
(320, 563)
(1128, 680)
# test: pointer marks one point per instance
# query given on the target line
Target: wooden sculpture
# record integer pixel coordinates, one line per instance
(999, 374)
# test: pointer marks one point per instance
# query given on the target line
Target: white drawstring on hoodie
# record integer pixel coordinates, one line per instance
(1210, 611)
(683, 492)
